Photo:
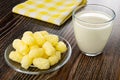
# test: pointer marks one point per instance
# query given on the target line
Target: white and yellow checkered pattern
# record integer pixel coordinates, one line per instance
(52, 11)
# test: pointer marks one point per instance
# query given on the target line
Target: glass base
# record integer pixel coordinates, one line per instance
(92, 54)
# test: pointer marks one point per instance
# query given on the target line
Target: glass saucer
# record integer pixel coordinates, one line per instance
(33, 70)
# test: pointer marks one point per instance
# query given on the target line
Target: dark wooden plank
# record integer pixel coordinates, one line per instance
(6, 14)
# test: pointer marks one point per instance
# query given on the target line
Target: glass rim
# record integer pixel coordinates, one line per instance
(114, 15)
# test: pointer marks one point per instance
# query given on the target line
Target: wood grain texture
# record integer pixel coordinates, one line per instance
(80, 67)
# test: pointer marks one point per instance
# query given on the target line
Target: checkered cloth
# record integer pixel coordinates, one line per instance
(52, 11)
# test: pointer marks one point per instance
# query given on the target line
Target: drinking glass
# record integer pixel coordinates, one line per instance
(92, 27)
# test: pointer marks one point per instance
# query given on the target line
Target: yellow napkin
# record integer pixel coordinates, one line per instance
(52, 11)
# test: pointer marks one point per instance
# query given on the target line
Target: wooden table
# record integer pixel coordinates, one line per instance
(80, 67)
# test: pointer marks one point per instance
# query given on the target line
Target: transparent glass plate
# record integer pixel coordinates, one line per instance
(33, 70)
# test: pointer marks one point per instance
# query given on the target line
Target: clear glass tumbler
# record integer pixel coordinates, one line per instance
(92, 27)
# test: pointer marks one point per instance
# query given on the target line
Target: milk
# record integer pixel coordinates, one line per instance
(92, 31)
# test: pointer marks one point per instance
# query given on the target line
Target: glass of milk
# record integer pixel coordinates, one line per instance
(92, 27)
